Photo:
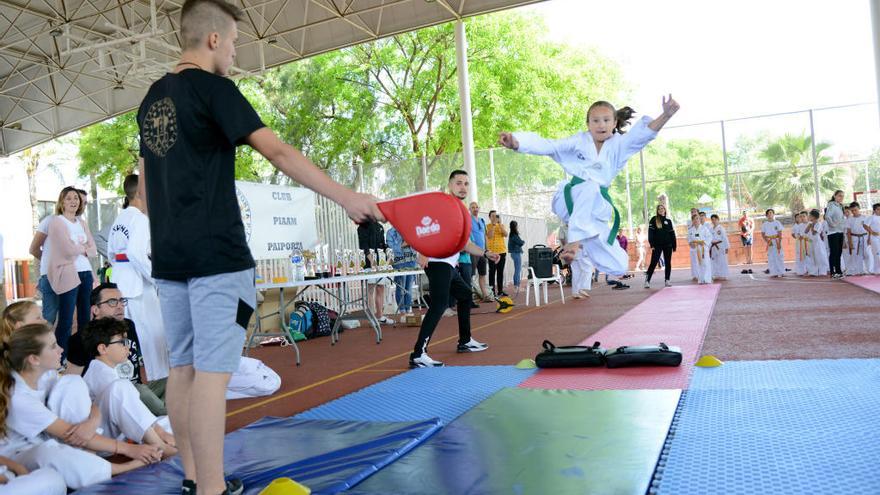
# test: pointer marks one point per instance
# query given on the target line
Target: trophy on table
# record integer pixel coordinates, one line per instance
(340, 267)
(389, 255)
(352, 269)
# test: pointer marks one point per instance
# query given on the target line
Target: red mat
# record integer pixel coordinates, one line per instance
(677, 316)
(870, 282)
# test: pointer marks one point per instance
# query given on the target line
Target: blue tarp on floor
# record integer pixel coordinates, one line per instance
(329, 456)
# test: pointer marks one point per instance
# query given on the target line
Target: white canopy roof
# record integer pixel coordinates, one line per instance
(66, 64)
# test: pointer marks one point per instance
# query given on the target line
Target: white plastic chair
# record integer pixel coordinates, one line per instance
(537, 284)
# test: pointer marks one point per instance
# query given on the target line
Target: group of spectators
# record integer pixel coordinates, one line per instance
(65, 395)
(494, 236)
(836, 242)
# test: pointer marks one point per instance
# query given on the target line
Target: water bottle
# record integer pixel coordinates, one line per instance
(297, 265)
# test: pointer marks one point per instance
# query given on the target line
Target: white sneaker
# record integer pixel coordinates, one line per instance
(667, 284)
(584, 293)
(472, 346)
(647, 284)
(385, 321)
(424, 361)
(449, 312)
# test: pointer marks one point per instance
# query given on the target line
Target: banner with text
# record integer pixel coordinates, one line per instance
(277, 218)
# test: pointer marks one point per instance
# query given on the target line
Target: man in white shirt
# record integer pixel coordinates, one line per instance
(444, 281)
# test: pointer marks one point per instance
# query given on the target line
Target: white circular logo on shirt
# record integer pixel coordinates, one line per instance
(160, 126)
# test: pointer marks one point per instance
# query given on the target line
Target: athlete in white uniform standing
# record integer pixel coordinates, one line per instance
(128, 247)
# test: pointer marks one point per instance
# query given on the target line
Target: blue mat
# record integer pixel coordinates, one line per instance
(533, 441)
(795, 440)
(327, 456)
(784, 375)
(444, 393)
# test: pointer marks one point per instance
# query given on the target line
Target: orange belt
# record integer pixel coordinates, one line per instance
(778, 244)
(805, 246)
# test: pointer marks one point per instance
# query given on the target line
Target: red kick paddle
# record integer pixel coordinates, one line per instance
(435, 224)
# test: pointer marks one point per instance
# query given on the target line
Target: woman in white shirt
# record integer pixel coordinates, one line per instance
(69, 271)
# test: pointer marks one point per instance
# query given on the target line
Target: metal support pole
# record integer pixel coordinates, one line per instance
(868, 188)
(815, 164)
(726, 176)
(645, 191)
(424, 173)
(875, 28)
(464, 98)
(492, 179)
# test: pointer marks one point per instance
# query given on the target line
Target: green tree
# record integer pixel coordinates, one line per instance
(682, 169)
(791, 181)
(109, 151)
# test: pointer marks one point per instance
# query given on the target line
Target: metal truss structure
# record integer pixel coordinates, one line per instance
(66, 64)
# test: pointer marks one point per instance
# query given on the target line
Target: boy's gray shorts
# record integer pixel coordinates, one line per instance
(206, 319)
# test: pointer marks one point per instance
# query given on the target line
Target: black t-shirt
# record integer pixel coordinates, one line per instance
(190, 124)
(78, 355)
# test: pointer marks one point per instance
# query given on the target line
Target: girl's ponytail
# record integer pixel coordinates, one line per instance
(624, 115)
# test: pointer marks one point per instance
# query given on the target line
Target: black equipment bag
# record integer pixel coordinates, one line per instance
(575, 356)
(645, 355)
(541, 260)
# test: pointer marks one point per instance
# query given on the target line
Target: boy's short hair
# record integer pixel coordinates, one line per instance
(875, 206)
(102, 331)
(199, 18)
(769, 210)
(855, 204)
(815, 213)
(715, 216)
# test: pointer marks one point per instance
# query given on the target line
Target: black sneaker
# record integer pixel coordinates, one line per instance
(472, 346)
(234, 486)
(767, 271)
(744, 271)
(620, 286)
(750, 271)
(189, 488)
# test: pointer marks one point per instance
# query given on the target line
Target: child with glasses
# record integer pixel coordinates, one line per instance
(123, 415)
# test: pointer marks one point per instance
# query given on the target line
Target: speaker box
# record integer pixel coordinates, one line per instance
(541, 260)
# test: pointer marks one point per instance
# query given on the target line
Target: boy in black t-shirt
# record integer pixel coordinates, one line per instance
(191, 121)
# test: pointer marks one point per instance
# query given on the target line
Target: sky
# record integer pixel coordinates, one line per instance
(724, 60)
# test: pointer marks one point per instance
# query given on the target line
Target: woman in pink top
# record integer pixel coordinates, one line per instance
(69, 271)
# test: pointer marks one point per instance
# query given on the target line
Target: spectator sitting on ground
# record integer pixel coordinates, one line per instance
(107, 302)
(123, 415)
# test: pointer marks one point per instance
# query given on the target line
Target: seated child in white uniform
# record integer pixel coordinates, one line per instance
(123, 415)
(16, 479)
(47, 417)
